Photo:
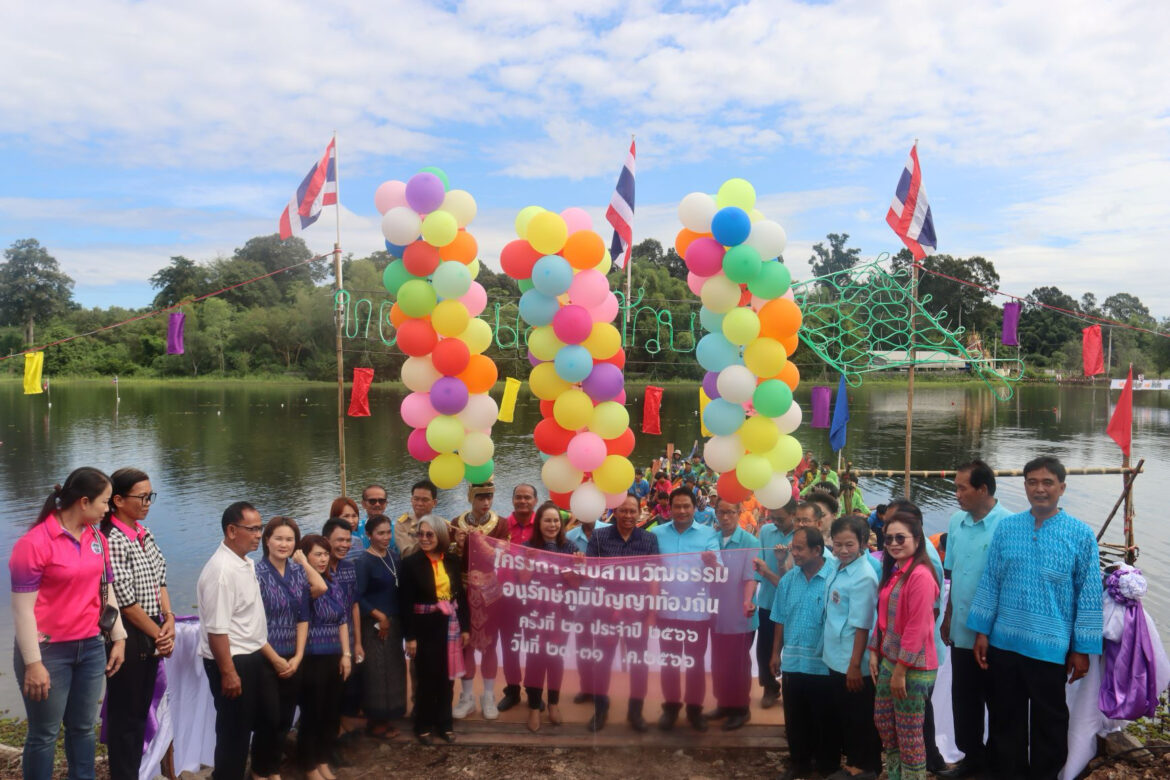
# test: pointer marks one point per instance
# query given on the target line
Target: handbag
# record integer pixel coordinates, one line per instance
(108, 616)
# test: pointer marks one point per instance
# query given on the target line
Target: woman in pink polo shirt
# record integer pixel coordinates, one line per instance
(57, 570)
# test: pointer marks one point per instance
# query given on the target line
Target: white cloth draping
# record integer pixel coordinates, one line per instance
(191, 710)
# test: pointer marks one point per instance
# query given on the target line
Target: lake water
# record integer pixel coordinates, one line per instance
(207, 445)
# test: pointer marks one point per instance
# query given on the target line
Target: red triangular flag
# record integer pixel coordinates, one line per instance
(1094, 356)
(1120, 427)
(359, 398)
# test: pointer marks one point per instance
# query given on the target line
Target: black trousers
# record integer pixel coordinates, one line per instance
(970, 689)
(1028, 716)
(807, 711)
(859, 739)
(934, 757)
(128, 697)
(432, 703)
(321, 692)
(235, 719)
(268, 744)
(764, 651)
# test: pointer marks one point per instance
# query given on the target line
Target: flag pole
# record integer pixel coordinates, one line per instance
(910, 384)
(629, 269)
(337, 318)
(1130, 554)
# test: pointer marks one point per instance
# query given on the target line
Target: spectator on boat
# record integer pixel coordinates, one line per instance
(857, 501)
(233, 641)
(682, 535)
(849, 616)
(903, 659)
(328, 660)
(640, 487)
(435, 624)
(1037, 618)
(623, 539)
(876, 520)
(287, 585)
(140, 587)
(424, 494)
(771, 564)
(384, 670)
(733, 628)
(969, 541)
(480, 519)
(57, 572)
(698, 466)
(662, 484)
(797, 656)
(337, 532)
(810, 474)
(705, 508)
(749, 514)
(521, 528)
(660, 512)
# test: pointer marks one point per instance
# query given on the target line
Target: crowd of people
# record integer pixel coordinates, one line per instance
(372, 619)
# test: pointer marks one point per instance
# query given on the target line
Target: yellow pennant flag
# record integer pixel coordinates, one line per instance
(34, 363)
(703, 401)
(508, 402)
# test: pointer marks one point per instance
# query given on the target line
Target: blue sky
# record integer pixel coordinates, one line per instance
(137, 131)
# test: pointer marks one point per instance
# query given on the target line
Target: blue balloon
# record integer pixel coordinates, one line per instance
(731, 226)
(538, 309)
(714, 352)
(712, 321)
(573, 363)
(722, 417)
(552, 275)
(394, 250)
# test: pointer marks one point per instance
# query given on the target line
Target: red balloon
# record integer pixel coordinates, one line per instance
(623, 445)
(417, 338)
(517, 258)
(550, 438)
(546, 409)
(560, 499)
(729, 488)
(450, 356)
(420, 258)
(745, 296)
(618, 359)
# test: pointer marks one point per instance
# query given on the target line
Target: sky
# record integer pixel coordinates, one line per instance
(136, 131)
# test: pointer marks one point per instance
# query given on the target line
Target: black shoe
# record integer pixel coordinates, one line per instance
(668, 717)
(511, 698)
(336, 759)
(581, 698)
(719, 713)
(634, 717)
(597, 722)
(696, 718)
(425, 739)
(965, 768)
(447, 736)
(935, 763)
(769, 699)
(737, 720)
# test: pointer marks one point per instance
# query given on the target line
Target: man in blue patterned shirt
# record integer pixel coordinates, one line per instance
(1037, 618)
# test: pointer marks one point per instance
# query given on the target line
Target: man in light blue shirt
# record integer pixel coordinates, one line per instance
(775, 537)
(968, 543)
(581, 534)
(734, 627)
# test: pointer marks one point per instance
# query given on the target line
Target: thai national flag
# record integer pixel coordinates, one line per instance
(621, 213)
(909, 214)
(319, 189)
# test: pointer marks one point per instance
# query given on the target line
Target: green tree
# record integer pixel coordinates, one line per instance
(962, 305)
(32, 287)
(833, 259)
(1043, 331)
(215, 322)
(181, 279)
(269, 253)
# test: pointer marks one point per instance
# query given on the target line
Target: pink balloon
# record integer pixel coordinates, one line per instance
(389, 194)
(416, 410)
(705, 256)
(589, 288)
(614, 500)
(789, 295)
(475, 299)
(621, 398)
(416, 445)
(695, 282)
(586, 451)
(572, 324)
(606, 310)
(576, 219)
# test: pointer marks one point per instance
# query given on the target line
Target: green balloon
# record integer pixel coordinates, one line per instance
(395, 276)
(772, 281)
(772, 398)
(477, 475)
(416, 298)
(525, 285)
(742, 263)
(438, 172)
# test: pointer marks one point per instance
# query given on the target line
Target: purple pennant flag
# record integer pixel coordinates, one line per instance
(175, 333)
(821, 396)
(1011, 322)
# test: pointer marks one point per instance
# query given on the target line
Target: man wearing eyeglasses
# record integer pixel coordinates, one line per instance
(424, 494)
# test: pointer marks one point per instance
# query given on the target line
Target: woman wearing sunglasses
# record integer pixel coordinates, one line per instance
(903, 660)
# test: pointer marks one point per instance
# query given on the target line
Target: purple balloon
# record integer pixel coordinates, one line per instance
(425, 192)
(534, 360)
(709, 387)
(448, 395)
(604, 382)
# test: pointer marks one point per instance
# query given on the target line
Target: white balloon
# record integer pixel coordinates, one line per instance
(776, 493)
(790, 420)
(461, 205)
(720, 294)
(480, 413)
(695, 212)
(587, 502)
(768, 238)
(418, 373)
(559, 475)
(722, 453)
(401, 225)
(736, 384)
(477, 448)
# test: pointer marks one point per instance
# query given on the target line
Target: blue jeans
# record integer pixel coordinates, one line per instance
(76, 672)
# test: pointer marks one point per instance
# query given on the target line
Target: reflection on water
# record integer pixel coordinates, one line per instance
(206, 446)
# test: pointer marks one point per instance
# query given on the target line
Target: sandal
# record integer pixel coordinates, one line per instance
(387, 733)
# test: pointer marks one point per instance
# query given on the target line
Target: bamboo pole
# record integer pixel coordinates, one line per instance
(950, 474)
(337, 317)
(629, 273)
(910, 384)
(1126, 491)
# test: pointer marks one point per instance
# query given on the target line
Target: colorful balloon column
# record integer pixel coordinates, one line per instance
(577, 358)
(732, 254)
(436, 312)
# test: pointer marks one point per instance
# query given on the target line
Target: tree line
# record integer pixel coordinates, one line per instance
(283, 325)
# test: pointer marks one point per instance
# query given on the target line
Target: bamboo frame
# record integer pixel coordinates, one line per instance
(998, 472)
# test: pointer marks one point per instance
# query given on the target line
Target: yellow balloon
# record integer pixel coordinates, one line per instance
(477, 335)
(740, 325)
(543, 343)
(736, 192)
(450, 318)
(614, 475)
(524, 217)
(572, 409)
(446, 470)
(547, 232)
(603, 341)
(460, 205)
(605, 264)
(610, 420)
(473, 268)
(445, 433)
(759, 434)
(545, 383)
(439, 228)
(786, 455)
(764, 357)
(477, 449)
(753, 471)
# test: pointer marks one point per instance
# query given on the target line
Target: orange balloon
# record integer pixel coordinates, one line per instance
(790, 316)
(397, 316)
(684, 239)
(463, 249)
(584, 249)
(480, 374)
(790, 343)
(789, 375)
